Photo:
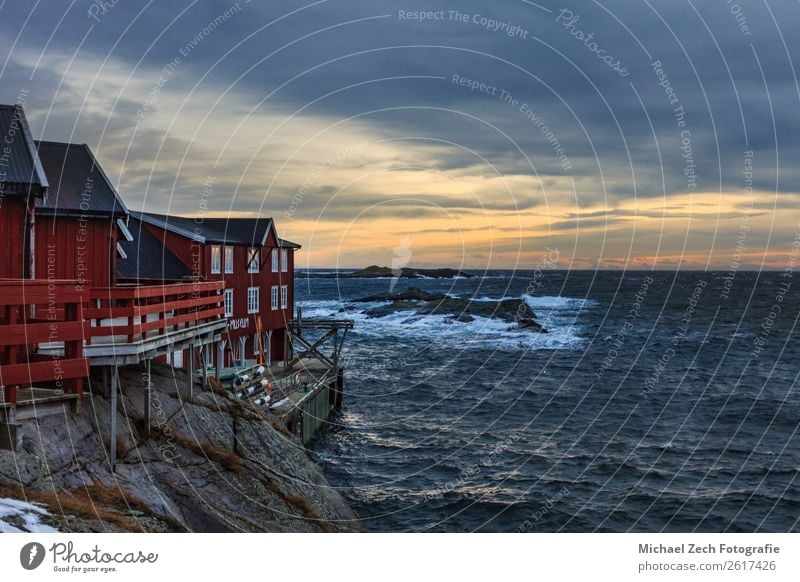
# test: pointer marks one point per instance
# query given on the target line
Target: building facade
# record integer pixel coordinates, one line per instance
(257, 267)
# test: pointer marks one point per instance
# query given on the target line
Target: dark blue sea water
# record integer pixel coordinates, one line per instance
(657, 402)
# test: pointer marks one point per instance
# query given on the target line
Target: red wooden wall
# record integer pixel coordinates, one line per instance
(13, 211)
(241, 323)
(70, 248)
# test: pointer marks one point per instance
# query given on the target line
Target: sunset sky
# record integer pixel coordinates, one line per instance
(661, 136)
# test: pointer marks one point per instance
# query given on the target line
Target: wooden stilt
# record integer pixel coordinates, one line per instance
(147, 398)
(113, 439)
(220, 360)
(190, 370)
(204, 363)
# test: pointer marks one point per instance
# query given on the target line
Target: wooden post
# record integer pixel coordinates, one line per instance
(204, 363)
(190, 370)
(147, 397)
(113, 439)
(220, 360)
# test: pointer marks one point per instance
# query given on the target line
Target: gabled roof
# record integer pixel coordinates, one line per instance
(21, 171)
(146, 258)
(78, 185)
(231, 231)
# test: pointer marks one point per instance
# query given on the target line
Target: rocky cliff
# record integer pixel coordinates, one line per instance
(212, 464)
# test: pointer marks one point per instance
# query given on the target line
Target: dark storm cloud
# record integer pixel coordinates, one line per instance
(539, 100)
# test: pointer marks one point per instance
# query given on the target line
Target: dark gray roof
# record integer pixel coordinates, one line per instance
(20, 169)
(232, 231)
(287, 244)
(147, 258)
(78, 185)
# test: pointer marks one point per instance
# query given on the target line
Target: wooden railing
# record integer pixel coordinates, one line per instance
(36, 312)
(128, 314)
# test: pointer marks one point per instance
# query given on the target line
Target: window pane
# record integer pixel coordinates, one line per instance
(229, 259)
(215, 258)
(253, 260)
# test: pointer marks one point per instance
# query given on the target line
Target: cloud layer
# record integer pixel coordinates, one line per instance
(645, 134)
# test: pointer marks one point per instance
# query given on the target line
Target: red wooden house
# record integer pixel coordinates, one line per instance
(81, 219)
(258, 270)
(70, 296)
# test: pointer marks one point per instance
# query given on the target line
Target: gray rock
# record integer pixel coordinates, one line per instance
(211, 464)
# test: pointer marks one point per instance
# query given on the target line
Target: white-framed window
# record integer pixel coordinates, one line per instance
(215, 259)
(228, 259)
(274, 297)
(253, 258)
(284, 260)
(256, 349)
(284, 296)
(228, 302)
(274, 260)
(252, 300)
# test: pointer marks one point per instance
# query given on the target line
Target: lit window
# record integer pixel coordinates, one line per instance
(284, 296)
(274, 260)
(228, 302)
(252, 260)
(274, 297)
(252, 300)
(228, 259)
(215, 259)
(284, 260)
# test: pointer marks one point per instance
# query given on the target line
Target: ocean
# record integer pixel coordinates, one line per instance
(658, 401)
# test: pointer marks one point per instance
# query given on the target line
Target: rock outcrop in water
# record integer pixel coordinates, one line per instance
(515, 311)
(212, 464)
(375, 272)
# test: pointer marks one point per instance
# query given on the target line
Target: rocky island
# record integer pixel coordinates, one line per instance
(514, 311)
(376, 272)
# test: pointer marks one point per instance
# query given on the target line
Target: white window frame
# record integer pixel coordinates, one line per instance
(274, 297)
(284, 260)
(274, 260)
(284, 296)
(253, 259)
(228, 259)
(253, 299)
(228, 299)
(216, 259)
